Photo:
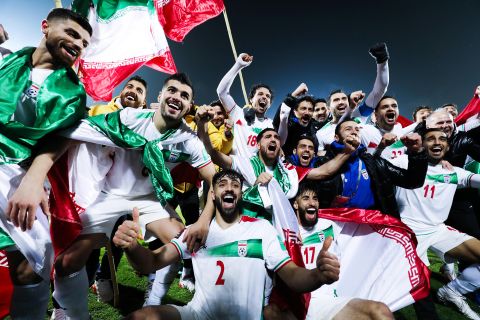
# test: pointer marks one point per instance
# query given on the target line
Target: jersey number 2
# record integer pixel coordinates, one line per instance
(220, 281)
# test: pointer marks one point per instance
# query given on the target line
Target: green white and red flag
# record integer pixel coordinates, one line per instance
(126, 35)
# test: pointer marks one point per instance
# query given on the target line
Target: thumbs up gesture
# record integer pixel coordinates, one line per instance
(328, 264)
(128, 232)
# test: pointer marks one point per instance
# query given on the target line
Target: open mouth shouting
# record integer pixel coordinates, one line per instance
(311, 214)
(391, 117)
(272, 146)
(304, 120)
(71, 52)
(229, 200)
(436, 151)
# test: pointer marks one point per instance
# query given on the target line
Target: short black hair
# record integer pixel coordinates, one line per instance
(139, 79)
(334, 92)
(257, 86)
(262, 133)
(309, 138)
(383, 98)
(306, 186)
(319, 100)
(218, 103)
(339, 125)
(425, 131)
(304, 98)
(183, 79)
(66, 14)
(449, 104)
(230, 173)
(418, 109)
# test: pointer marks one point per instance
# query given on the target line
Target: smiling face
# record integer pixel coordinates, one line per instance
(269, 147)
(304, 112)
(386, 113)
(133, 95)
(305, 150)
(175, 100)
(338, 104)
(227, 196)
(65, 40)
(436, 144)
(320, 111)
(261, 100)
(306, 206)
(218, 116)
(441, 120)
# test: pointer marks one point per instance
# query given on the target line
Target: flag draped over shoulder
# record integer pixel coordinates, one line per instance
(378, 258)
(178, 17)
(126, 35)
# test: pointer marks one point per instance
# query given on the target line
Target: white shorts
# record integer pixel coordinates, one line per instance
(34, 244)
(325, 307)
(101, 216)
(440, 239)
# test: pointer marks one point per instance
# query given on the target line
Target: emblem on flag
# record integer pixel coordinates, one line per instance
(242, 248)
(174, 154)
(447, 178)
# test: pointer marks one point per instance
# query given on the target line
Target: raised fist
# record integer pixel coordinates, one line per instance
(380, 52)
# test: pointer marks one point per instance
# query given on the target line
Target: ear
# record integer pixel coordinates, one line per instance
(337, 138)
(44, 26)
(295, 151)
(295, 205)
(212, 194)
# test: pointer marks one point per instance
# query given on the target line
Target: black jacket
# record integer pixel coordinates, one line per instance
(463, 144)
(384, 177)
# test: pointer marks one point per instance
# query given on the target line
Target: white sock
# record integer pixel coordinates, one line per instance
(163, 279)
(187, 273)
(467, 281)
(71, 293)
(30, 302)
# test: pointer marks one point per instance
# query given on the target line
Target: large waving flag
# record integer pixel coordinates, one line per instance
(126, 35)
(178, 17)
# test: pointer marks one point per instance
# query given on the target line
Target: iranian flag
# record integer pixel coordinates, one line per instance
(178, 17)
(126, 35)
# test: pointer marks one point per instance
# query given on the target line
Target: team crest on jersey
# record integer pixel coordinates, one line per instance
(365, 174)
(32, 92)
(321, 236)
(447, 178)
(242, 248)
(174, 154)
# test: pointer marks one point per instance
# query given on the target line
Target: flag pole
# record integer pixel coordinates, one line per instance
(229, 31)
(58, 3)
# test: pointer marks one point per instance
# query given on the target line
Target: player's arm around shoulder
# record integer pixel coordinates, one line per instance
(302, 280)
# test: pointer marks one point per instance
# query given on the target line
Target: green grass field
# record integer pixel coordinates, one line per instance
(132, 288)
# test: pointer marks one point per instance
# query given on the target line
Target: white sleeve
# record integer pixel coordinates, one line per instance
(181, 246)
(470, 124)
(275, 253)
(465, 178)
(223, 89)
(283, 125)
(380, 86)
(401, 161)
(85, 132)
(199, 156)
(408, 129)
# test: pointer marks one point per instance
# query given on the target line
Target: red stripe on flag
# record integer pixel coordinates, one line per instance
(65, 220)
(6, 287)
(100, 79)
(179, 17)
(394, 229)
(472, 108)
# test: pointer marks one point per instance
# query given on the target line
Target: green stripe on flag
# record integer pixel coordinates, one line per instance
(397, 145)
(451, 178)
(5, 240)
(318, 237)
(249, 249)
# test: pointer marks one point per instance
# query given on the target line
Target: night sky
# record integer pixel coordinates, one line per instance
(433, 47)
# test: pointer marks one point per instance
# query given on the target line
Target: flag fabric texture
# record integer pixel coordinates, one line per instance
(378, 258)
(472, 108)
(178, 17)
(6, 287)
(126, 35)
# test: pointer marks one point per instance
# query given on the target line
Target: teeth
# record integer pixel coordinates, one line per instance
(71, 51)
(130, 98)
(171, 105)
(311, 210)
